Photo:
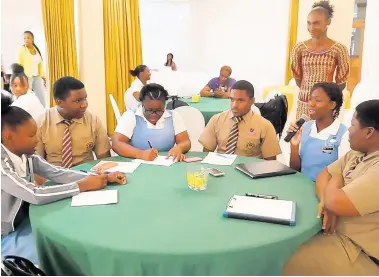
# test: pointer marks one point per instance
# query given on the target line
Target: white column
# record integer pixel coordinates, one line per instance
(91, 55)
(368, 88)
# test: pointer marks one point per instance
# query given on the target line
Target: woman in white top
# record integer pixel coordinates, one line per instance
(323, 140)
(131, 98)
(151, 129)
(24, 97)
(30, 58)
(170, 62)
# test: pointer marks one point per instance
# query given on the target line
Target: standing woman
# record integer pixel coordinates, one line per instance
(30, 58)
(170, 62)
(131, 97)
(319, 58)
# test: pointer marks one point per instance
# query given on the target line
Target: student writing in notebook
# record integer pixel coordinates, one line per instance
(324, 139)
(18, 190)
(348, 190)
(240, 130)
(151, 128)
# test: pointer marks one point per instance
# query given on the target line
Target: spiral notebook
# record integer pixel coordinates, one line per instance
(260, 209)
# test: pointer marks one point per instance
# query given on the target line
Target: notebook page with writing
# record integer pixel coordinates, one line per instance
(160, 160)
(265, 208)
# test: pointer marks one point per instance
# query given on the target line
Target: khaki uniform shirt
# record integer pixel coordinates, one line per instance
(362, 188)
(256, 135)
(88, 135)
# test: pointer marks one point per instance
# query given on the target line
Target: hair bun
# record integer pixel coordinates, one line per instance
(6, 101)
(17, 68)
(325, 4)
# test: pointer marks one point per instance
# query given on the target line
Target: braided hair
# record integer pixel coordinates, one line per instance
(334, 93)
(153, 92)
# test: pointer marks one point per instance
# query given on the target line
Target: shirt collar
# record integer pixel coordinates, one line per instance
(56, 117)
(374, 155)
(247, 117)
(332, 129)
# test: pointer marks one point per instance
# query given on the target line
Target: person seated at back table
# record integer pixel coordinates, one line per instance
(18, 188)
(152, 128)
(131, 97)
(68, 134)
(348, 191)
(25, 98)
(241, 131)
(324, 139)
(219, 86)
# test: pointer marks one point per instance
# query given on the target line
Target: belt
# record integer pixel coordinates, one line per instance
(376, 261)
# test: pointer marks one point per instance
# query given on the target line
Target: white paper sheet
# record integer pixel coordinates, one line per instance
(124, 167)
(219, 159)
(279, 209)
(160, 160)
(91, 198)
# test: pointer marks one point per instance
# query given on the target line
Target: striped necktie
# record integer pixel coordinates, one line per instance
(231, 145)
(357, 161)
(66, 145)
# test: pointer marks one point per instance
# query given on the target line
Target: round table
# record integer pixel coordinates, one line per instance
(209, 106)
(161, 227)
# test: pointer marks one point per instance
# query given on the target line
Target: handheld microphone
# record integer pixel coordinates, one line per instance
(299, 123)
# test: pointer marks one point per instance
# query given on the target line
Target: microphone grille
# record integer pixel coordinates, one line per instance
(305, 117)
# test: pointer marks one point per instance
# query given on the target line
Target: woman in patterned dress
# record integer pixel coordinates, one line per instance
(319, 59)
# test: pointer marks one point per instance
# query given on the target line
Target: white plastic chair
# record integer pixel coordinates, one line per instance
(195, 123)
(115, 108)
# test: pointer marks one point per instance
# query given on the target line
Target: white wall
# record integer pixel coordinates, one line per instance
(341, 27)
(164, 29)
(249, 35)
(18, 16)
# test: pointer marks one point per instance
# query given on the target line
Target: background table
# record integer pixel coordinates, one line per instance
(209, 106)
(161, 227)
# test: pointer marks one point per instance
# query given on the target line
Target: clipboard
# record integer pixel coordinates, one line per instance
(260, 209)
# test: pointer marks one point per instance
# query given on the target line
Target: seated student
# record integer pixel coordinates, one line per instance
(241, 131)
(348, 191)
(68, 134)
(25, 98)
(131, 97)
(323, 140)
(219, 86)
(151, 128)
(18, 163)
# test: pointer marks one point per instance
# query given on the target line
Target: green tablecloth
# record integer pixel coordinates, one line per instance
(160, 227)
(209, 106)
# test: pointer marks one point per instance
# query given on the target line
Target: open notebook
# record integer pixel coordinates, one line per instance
(260, 209)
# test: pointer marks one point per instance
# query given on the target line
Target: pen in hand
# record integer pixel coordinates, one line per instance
(150, 144)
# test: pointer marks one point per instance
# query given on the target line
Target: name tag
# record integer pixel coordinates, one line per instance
(330, 144)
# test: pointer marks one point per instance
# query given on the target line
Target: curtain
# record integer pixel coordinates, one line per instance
(292, 36)
(59, 25)
(123, 51)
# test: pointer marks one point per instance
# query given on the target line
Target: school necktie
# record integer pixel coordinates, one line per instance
(231, 145)
(66, 145)
(357, 161)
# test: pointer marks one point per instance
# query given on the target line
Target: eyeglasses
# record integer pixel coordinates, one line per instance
(150, 111)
